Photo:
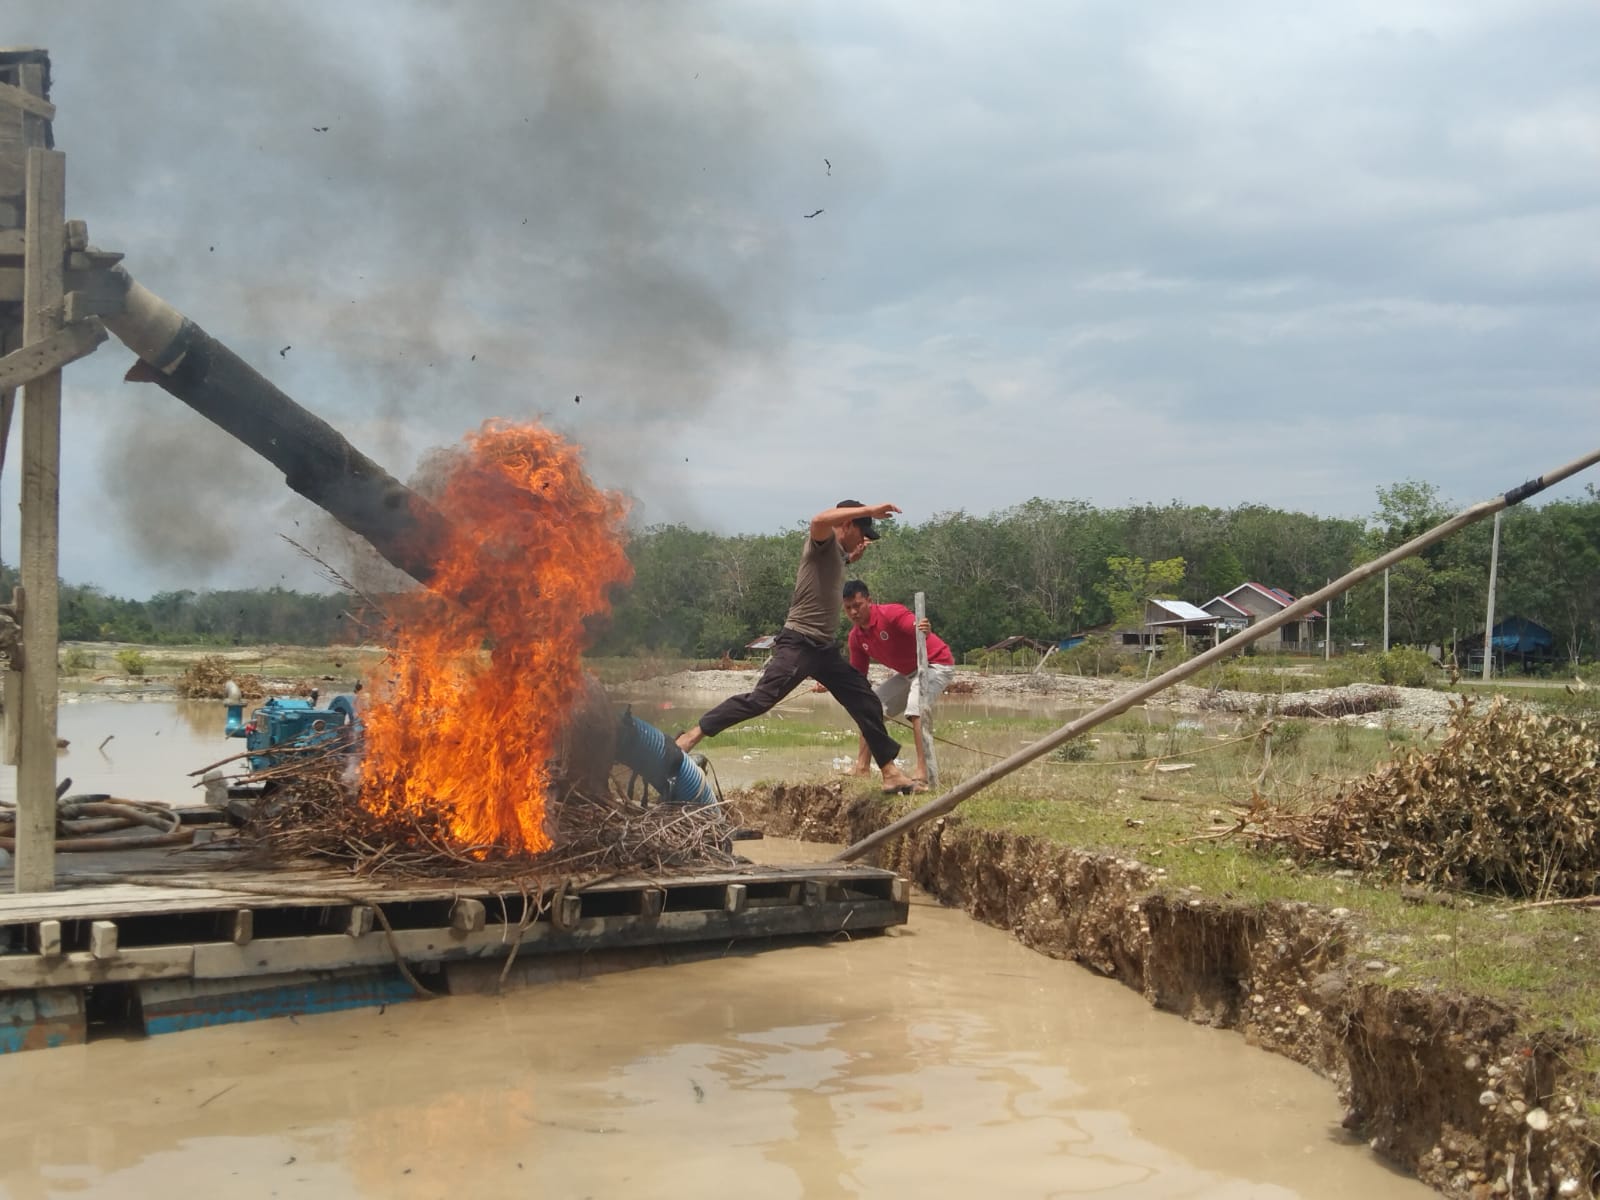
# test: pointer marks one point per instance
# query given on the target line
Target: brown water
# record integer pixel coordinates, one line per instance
(139, 750)
(145, 749)
(938, 1060)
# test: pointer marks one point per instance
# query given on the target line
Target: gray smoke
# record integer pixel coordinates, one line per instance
(416, 216)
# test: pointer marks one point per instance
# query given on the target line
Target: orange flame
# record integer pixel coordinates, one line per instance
(485, 667)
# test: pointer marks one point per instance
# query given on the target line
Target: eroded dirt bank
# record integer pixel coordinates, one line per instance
(1454, 1088)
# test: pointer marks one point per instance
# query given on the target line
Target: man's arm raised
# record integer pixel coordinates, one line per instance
(822, 524)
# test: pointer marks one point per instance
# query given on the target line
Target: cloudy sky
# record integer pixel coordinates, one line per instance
(1242, 251)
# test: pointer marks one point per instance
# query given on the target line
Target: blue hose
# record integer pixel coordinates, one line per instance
(646, 750)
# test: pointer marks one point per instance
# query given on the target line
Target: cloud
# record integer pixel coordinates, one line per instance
(1108, 251)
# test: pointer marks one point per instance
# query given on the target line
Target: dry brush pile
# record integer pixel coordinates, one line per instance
(207, 679)
(314, 812)
(1507, 803)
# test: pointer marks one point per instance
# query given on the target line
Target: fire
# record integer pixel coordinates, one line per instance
(485, 666)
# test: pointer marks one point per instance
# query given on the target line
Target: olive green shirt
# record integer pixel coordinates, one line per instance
(818, 591)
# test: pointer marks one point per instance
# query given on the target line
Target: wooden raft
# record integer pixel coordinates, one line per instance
(174, 948)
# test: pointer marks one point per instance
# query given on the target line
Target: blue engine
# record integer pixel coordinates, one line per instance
(292, 722)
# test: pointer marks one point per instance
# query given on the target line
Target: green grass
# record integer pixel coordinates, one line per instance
(1543, 959)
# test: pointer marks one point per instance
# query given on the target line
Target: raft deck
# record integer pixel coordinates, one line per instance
(152, 942)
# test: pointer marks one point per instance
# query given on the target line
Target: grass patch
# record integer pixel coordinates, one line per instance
(1543, 960)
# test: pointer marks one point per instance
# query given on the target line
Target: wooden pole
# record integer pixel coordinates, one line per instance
(45, 249)
(1234, 644)
(925, 719)
(1488, 620)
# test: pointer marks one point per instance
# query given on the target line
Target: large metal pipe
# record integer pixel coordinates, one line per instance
(315, 458)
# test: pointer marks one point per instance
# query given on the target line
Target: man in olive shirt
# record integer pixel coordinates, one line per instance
(808, 645)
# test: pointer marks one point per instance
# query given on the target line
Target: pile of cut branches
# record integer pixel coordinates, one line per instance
(1508, 803)
(314, 812)
(1346, 702)
(207, 679)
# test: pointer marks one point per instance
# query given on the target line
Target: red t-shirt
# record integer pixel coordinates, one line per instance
(891, 639)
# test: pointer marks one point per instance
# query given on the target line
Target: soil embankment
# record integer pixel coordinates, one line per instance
(1459, 1089)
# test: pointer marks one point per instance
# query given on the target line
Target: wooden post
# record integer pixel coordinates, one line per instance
(44, 256)
(925, 721)
(1488, 620)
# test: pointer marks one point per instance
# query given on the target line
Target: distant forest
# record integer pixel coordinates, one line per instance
(1044, 569)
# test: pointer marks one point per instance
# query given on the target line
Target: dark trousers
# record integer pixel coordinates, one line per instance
(796, 658)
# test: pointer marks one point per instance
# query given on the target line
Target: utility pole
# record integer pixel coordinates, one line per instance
(925, 723)
(1488, 620)
(1386, 610)
(1327, 633)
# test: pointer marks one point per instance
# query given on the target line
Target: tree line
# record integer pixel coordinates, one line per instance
(1044, 569)
(1050, 568)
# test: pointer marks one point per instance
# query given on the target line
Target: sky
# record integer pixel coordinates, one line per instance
(759, 256)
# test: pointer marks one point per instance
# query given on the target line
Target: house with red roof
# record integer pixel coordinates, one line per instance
(1252, 602)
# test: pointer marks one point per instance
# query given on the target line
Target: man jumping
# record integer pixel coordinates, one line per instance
(808, 645)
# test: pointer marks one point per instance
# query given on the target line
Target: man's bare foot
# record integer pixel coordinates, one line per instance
(895, 781)
(859, 771)
(689, 739)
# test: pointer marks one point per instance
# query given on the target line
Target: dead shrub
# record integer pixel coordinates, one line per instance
(1508, 802)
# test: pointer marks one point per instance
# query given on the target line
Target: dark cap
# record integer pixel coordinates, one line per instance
(868, 529)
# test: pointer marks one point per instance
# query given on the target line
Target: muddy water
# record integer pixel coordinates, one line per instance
(938, 1060)
(139, 750)
(145, 749)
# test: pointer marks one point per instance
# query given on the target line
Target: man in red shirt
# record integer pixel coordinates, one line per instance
(887, 634)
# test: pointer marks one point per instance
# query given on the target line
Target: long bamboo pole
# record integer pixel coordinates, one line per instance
(1232, 646)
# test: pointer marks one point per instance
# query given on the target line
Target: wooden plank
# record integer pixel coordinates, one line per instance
(103, 939)
(244, 925)
(47, 939)
(34, 359)
(11, 697)
(29, 103)
(324, 952)
(221, 890)
(45, 200)
(467, 915)
(80, 968)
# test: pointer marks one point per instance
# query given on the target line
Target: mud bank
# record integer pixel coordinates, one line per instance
(1455, 1088)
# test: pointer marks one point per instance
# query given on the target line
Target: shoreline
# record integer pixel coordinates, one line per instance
(1467, 1092)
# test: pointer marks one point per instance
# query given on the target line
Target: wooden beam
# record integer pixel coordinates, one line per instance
(735, 896)
(244, 927)
(48, 939)
(34, 359)
(103, 939)
(45, 199)
(18, 971)
(467, 915)
(27, 101)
